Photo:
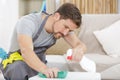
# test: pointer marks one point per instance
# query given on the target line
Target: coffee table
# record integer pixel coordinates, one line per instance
(73, 76)
(60, 62)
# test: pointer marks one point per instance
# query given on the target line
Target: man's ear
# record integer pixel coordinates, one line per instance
(56, 16)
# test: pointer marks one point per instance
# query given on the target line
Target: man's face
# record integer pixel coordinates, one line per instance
(62, 27)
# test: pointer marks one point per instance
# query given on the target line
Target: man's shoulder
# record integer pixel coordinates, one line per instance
(31, 17)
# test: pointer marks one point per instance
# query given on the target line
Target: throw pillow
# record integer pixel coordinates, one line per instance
(109, 38)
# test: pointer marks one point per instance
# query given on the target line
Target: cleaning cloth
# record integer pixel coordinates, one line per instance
(61, 74)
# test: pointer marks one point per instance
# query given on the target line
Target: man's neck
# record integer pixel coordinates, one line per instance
(49, 24)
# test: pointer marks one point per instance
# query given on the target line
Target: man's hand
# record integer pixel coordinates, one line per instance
(77, 54)
(78, 47)
(50, 72)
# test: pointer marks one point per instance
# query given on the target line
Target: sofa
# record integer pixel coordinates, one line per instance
(108, 66)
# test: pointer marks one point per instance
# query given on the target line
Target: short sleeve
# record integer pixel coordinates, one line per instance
(25, 26)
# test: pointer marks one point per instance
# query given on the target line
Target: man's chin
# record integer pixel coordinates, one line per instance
(57, 35)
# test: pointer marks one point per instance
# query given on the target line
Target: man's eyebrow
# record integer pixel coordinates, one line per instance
(68, 27)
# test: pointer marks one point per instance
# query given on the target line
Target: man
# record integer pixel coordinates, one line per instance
(48, 28)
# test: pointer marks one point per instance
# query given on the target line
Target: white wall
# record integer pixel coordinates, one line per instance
(8, 18)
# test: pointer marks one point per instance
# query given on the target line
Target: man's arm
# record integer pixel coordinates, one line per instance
(29, 56)
(78, 47)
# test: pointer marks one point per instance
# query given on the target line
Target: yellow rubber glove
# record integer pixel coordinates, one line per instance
(13, 57)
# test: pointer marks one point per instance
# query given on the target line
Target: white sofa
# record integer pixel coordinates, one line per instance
(107, 66)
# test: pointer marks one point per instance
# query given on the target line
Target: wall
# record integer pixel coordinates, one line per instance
(29, 6)
(119, 6)
(22, 7)
(50, 4)
(88, 6)
(8, 18)
(95, 6)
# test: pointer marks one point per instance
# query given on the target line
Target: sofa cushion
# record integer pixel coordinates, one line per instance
(103, 59)
(112, 73)
(103, 62)
(108, 66)
(109, 38)
(92, 23)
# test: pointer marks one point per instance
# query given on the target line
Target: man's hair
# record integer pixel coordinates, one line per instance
(70, 11)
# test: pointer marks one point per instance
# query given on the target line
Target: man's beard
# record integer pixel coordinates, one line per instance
(58, 35)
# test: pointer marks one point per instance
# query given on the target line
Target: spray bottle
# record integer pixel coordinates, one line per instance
(85, 63)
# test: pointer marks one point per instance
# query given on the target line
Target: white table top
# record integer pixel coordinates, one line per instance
(73, 76)
(60, 61)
